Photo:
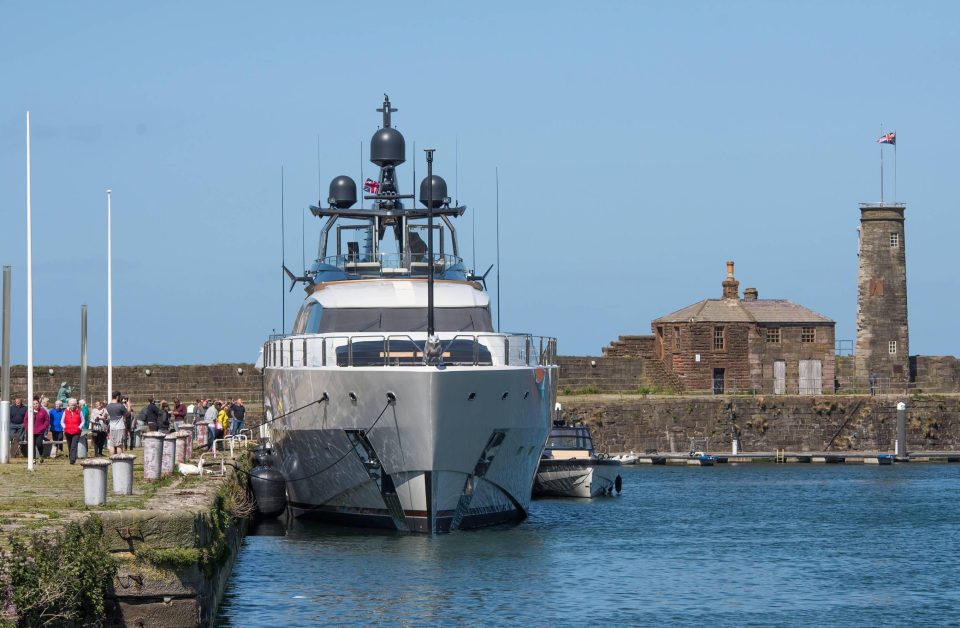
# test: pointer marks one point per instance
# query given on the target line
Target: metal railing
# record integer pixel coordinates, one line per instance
(391, 264)
(489, 349)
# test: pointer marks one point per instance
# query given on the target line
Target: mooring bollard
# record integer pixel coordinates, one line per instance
(169, 451)
(121, 466)
(152, 455)
(202, 434)
(188, 442)
(180, 447)
(95, 481)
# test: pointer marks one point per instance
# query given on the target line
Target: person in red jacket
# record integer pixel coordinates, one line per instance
(41, 423)
(72, 426)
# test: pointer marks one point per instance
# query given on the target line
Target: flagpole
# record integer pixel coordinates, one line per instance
(110, 294)
(881, 166)
(30, 415)
(894, 167)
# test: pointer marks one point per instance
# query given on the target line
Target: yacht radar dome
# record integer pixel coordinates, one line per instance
(439, 191)
(343, 192)
(387, 146)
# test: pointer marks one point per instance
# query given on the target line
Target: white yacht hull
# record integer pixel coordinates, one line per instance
(433, 460)
(575, 477)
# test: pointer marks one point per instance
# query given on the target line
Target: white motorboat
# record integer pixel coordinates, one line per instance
(394, 403)
(570, 467)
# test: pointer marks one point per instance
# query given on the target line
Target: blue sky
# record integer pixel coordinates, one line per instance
(640, 146)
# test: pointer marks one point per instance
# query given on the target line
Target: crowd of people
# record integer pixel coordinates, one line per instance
(115, 425)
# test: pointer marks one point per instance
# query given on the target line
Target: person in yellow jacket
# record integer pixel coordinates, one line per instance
(222, 419)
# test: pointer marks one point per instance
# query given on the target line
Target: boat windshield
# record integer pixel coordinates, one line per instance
(570, 438)
(315, 319)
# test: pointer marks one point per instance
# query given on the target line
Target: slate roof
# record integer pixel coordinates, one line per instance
(740, 311)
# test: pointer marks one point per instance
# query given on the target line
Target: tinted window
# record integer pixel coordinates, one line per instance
(399, 319)
(308, 318)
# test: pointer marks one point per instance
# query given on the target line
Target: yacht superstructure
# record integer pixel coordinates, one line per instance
(394, 403)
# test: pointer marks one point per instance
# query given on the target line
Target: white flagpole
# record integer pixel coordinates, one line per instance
(109, 296)
(30, 416)
(894, 166)
(881, 165)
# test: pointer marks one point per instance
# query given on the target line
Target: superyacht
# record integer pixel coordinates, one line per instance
(394, 403)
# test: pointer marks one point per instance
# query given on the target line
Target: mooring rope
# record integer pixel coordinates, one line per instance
(326, 468)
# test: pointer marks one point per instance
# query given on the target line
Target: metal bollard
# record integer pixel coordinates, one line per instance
(95, 481)
(122, 468)
(180, 447)
(169, 451)
(152, 455)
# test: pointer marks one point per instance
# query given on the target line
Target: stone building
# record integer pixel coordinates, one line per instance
(732, 343)
(882, 352)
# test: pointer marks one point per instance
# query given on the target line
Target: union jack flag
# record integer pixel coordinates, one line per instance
(371, 186)
(888, 138)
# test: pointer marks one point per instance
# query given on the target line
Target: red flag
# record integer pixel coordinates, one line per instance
(889, 138)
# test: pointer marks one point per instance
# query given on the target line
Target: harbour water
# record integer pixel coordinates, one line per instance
(729, 545)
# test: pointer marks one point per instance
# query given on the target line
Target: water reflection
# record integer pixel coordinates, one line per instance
(729, 545)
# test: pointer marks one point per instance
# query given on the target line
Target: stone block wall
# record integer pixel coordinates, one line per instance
(188, 382)
(764, 424)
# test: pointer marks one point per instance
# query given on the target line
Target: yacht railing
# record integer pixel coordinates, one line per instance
(390, 264)
(489, 349)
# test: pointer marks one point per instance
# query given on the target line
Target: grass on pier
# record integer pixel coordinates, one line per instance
(52, 493)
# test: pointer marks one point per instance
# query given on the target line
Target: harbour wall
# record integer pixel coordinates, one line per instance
(188, 382)
(174, 557)
(765, 423)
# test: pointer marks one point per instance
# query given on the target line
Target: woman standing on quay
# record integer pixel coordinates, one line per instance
(117, 414)
(41, 421)
(98, 425)
(72, 426)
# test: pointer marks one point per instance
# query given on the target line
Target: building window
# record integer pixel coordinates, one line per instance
(892, 347)
(808, 334)
(894, 239)
(718, 344)
(676, 338)
(773, 335)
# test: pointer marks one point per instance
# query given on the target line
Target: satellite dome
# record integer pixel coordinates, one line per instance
(387, 147)
(439, 191)
(343, 192)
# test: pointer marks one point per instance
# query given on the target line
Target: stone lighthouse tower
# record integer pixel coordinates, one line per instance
(883, 350)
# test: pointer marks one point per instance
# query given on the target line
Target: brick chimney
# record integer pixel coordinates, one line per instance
(731, 287)
(750, 294)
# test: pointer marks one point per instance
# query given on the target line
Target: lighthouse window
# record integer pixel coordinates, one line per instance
(892, 347)
(894, 240)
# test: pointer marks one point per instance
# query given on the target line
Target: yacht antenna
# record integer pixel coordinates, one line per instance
(429, 152)
(497, 174)
(303, 239)
(283, 256)
(362, 180)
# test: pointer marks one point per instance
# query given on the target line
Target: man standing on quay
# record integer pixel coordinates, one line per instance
(236, 413)
(18, 416)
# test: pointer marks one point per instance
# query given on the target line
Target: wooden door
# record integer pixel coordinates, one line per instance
(811, 377)
(779, 377)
